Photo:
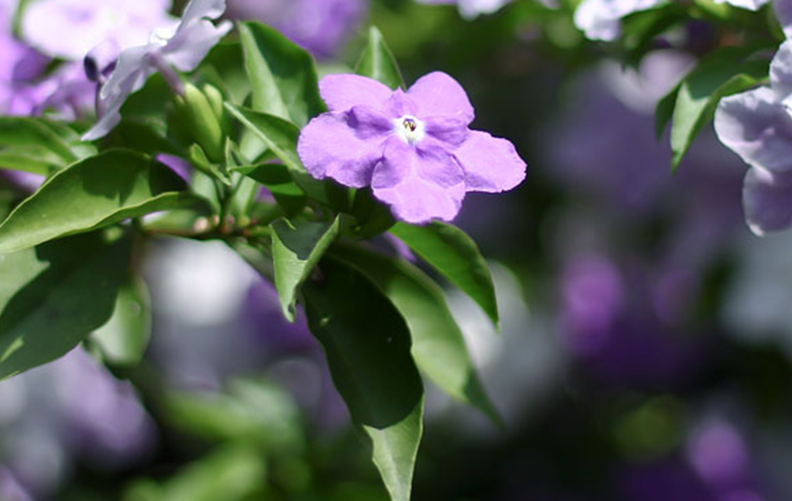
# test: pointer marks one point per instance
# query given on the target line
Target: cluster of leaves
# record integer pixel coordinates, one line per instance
(69, 253)
(734, 59)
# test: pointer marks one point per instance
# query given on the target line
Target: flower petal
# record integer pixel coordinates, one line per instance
(491, 164)
(437, 94)
(767, 201)
(756, 126)
(451, 130)
(369, 122)
(329, 147)
(199, 9)
(781, 68)
(192, 42)
(342, 92)
(418, 185)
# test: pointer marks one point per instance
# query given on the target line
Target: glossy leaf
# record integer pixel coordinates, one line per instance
(281, 137)
(281, 73)
(367, 344)
(124, 339)
(296, 249)
(455, 255)
(20, 132)
(95, 192)
(54, 295)
(723, 73)
(378, 62)
(35, 159)
(437, 343)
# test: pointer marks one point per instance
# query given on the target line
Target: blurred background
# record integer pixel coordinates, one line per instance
(646, 333)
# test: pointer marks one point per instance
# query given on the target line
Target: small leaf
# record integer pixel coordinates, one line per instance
(723, 73)
(201, 162)
(296, 249)
(664, 111)
(90, 194)
(438, 345)
(454, 254)
(281, 137)
(124, 339)
(281, 73)
(367, 345)
(54, 295)
(378, 62)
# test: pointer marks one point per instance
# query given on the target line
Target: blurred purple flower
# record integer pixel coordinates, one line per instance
(68, 29)
(719, 455)
(601, 19)
(413, 148)
(758, 127)
(183, 47)
(10, 487)
(321, 26)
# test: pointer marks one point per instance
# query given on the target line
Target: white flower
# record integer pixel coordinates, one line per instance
(183, 48)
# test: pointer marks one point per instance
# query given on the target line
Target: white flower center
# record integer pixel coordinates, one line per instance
(409, 128)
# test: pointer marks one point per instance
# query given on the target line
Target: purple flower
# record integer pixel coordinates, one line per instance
(758, 127)
(413, 148)
(183, 47)
(600, 19)
(321, 26)
(68, 29)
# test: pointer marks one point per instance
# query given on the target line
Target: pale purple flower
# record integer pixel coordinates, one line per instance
(757, 125)
(183, 47)
(68, 29)
(601, 19)
(320, 26)
(413, 148)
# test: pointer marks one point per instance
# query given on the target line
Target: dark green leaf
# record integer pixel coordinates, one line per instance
(281, 137)
(296, 249)
(124, 339)
(95, 192)
(723, 73)
(54, 295)
(367, 344)
(282, 74)
(378, 62)
(438, 345)
(373, 216)
(200, 161)
(454, 254)
(664, 111)
(279, 182)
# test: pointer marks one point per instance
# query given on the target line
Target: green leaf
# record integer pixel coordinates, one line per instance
(34, 159)
(282, 74)
(438, 345)
(235, 472)
(378, 62)
(367, 344)
(124, 339)
(90, 194)
(281, 137)
(248, 411)
(455, 255)
(279, 182)
(664, 111)
(723, 73)
(373, 216)
(23, 132)
(201, 162)
(54, 295)
(296, 249)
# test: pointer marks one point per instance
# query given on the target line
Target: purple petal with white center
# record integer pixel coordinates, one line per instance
(329, 147)
(342, 92)
(491, 164)
(756, 126)
(418, 185)
(437, 94)
(767, 201)
(401, 104)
